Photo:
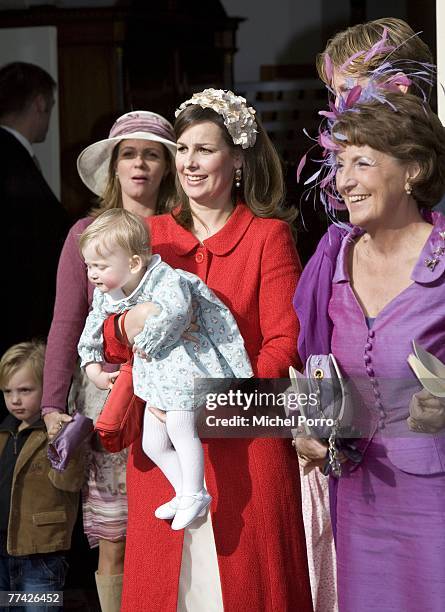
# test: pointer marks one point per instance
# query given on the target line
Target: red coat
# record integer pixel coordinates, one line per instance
(252, 265)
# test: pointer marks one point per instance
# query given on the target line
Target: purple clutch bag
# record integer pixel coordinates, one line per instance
(67, 442)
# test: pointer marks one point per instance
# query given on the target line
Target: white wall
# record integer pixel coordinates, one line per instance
(271, 27)
(38, 46)
(281, 31)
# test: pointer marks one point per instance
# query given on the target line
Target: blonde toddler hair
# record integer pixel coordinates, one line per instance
(118, 227)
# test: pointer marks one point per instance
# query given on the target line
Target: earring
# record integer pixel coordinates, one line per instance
(408, 189)
(238, 177)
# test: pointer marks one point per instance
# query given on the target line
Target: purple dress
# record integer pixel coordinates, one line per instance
(391, 508)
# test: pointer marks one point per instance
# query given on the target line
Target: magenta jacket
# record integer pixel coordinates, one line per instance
(73, 298)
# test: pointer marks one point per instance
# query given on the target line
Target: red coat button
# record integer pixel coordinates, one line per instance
(199, 257)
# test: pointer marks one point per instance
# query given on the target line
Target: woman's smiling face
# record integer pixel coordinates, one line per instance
(371, 183)
(206, 165)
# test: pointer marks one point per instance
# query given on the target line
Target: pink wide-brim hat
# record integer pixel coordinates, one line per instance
(94, 161)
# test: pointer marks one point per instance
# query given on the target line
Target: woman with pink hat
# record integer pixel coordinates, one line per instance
(132, 169)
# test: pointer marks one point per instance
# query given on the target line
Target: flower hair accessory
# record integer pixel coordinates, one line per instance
(239, 118)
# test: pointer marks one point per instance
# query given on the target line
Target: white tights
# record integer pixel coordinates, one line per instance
(176, 449)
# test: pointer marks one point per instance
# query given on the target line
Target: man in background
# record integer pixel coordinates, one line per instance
(33, 220)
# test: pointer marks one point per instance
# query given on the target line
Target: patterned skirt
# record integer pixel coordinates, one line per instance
(104, 494)
(319, 540)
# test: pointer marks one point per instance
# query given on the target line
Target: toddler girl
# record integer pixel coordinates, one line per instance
(119, 263)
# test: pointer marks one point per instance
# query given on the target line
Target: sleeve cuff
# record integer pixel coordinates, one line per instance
(48, 409)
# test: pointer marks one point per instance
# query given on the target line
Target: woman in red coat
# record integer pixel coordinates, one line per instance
(249, 552)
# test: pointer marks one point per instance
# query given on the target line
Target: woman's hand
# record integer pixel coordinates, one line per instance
(311, 452)
(426, 413)
(135, 321)
(136, 317)
(54, 422)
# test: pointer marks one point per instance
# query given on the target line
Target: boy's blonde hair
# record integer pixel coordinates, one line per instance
(30, 353)
(118, 227)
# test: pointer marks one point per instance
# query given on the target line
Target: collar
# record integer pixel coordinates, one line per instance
(341, 273)
(11, 424)
(183, 241)
(431, 263)
(117, 295)
(22, 140)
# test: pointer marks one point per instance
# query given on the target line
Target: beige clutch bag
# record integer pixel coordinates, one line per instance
(429, 370)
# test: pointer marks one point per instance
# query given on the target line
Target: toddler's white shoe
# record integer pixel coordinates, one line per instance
(190, 507)
(167, 511)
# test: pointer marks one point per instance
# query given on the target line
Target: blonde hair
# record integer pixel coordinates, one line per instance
(361, 37)
(112, 196)
(30, 353)
(262, 185)
(118, 227)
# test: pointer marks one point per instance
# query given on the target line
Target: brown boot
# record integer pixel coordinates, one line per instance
(109, 589)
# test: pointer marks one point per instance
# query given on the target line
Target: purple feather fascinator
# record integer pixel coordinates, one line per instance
(389, 76)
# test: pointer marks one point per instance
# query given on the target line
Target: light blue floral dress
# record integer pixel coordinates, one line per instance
(167, 379)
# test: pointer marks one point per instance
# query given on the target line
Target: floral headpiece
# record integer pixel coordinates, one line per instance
(387, 77)
(239, 118)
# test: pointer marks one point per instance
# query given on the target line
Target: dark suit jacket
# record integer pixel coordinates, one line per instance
(34, 225)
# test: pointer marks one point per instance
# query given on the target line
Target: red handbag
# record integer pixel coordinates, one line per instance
(120, 422)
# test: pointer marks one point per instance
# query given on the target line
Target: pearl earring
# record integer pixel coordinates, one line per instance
(408, 189)
(238, 177)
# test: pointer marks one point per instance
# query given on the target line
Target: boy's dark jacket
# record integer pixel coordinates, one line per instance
(44, 502)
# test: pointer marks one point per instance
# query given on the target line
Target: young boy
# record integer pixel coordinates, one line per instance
(38, 506)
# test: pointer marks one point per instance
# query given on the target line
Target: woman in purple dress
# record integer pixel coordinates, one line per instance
(366, 294)
(377, 54)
